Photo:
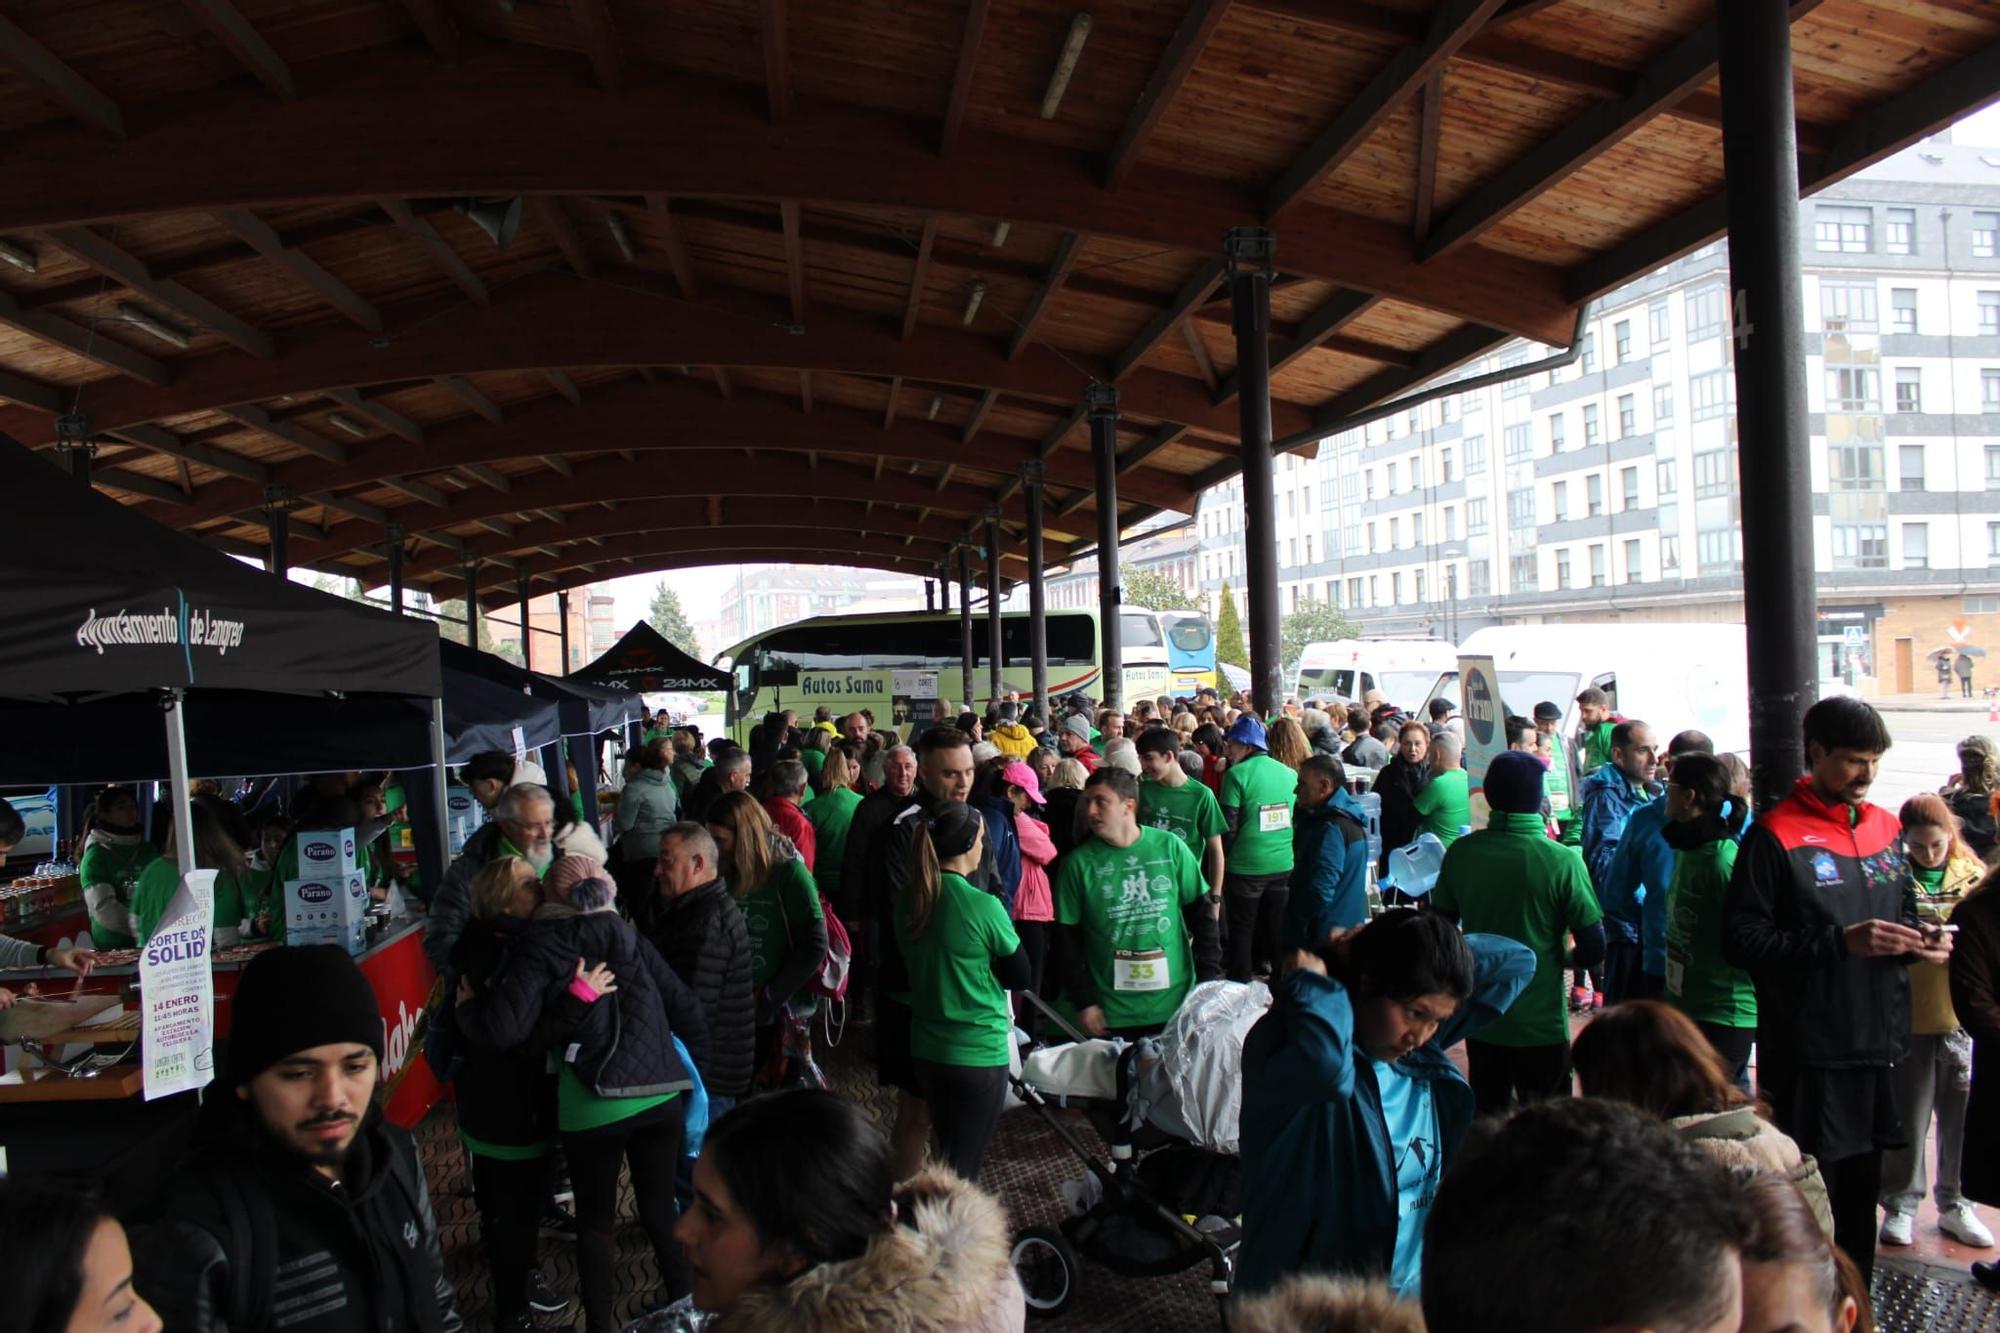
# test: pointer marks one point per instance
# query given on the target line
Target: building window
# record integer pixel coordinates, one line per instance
(1670, 555)
(1417, 528)
(1628, 416)
(1909, 389)
(1707, 312)
(1521, 573)
(1711, 395)
(1910, 467)
(1475, 454)
(1597, 564)
(1390, 487)
(1555, 432)
(1478, 578)
(1993, 467)
(1663, 404)
(1634, 568)
(1992, 545)
(1659, 324)
(1589, 353)
(1899, 231)
(1916, 546)
(1559, 501)
(1902, 310)
(1448, 408)
(1668, 478)
(1846, 231)
(1621, 338)
(1444, 466)
(1420, 587)
(1980, 604)
(1593, 490)
(1628, 485)
(1860, 546)
(1985, 235)
(1989, 390)
(1847, 307)
(1396, 588)
(1853, 389)
(1520, 510)
(1855, 467)
(1989, 314)
(1714, 474)
(1592, 427)
(1562, 570)
(1718, 552)
(1475, 517)
(1517, 444)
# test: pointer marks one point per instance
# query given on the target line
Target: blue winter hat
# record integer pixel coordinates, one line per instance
(1247, 730)
(1514, 783)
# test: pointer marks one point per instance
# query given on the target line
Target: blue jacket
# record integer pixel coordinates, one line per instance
(1319, 1185)
(1329, 881)
(998, 817)
(1635, 883)
(1608, 799)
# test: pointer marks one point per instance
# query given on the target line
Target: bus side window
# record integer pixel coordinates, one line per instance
(746, 687)
(1367, 684)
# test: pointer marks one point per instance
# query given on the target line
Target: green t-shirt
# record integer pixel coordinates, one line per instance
(788, 893)
(1510, 878)
(1699, 983)
(1128, 901)
(1263, 791)
(1190, 812)
(1596, 747)
(831, 814)
(814, 760)
(959, 1011)
(239, 894)
(118, 866)
(1445, 805)
(578, 1108)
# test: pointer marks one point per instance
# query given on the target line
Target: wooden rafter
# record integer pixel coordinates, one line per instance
(978, 417)
(92, 250)
(565, 386)
(600, 41)
(29, 392)
(1182, 54)
(258, 234)
(1320, 328)
(920, 275)
(1066, 254)
(261, 421)
(962, 76)
(777, 62)
(1204, 364)
(388, 418)
(466, 392)
(440, 250)
(1428, 131)
(58, 82)
(1196, 290)
(795, 258)
(674, 243)
(243, 41)
(436, 26)
(90, 344)
(556, 220)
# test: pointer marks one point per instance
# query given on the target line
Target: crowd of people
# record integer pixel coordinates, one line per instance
(1620, 924)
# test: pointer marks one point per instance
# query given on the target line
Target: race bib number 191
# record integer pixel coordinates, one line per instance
(1274, 818)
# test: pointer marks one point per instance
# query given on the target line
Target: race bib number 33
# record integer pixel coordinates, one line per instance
(1134, 970)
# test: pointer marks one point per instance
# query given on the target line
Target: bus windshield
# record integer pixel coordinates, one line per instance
(1139, 629)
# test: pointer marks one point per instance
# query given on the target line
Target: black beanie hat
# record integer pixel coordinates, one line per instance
(294, 999)
(1514, 783)
(954, 827)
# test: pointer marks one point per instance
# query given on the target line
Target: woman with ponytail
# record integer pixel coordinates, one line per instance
(963, 957)
(1705, 818)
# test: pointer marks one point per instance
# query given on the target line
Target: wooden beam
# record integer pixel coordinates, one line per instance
(58, 82)
(1427, 155)
(464, 390)
(550, 210)
(89, 344)
(137, 483)
(88, 248)
(1053, 440)
(1191, 295)
(806, 397)
(388, 418)
(261, 421)
(1198, 349)
(600, 41)
(962, 76)
(1316, 329)
(723, 381)
(1167, 434)
(416, 490)
(440, 250)
(795, 258)
(1065, 259)
(243, 41)
(565, 386)
(559, 465)
(920, 276)
(889, 411)
(30, 393)
(436, 26)
(675, 245)
(978, 418)
(1454, 24)
(258, 234)
(488, 476)
(777, 63)
(217, 460)
(1183, 53)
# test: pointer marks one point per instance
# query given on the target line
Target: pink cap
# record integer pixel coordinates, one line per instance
(1020, 775)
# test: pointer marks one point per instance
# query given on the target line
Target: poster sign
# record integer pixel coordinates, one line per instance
(1485, 725)
(177, 992)
(914, 684)
(403, 980)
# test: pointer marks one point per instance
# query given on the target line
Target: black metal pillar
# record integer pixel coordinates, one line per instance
(1250, 251)
(1102, 400)
(471, 603)
(527, 648)
(996, 653)
(944, 584)
(395, 534)
(930, 595)
(965, 624)
(1038, 626)
(1760, 169)
(278, 521)
(562, 633)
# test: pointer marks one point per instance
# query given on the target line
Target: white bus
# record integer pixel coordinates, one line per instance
(1405, 670)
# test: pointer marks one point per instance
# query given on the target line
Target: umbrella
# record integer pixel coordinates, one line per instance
(1236, 676)
(1965, 648)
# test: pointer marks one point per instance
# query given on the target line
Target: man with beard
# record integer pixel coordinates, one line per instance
(300, 1205)
(524, 825)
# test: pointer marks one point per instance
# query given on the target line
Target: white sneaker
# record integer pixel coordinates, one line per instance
(1898, 1228)
(1963, 1225)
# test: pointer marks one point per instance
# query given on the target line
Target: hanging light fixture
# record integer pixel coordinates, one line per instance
(146, 321)
(621, 235)
(972, 300)
(500, 219)
(341, 421)
(1079, 33)
(20, 256)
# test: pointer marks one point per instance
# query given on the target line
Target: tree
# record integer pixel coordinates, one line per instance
(451, 625)
(666, 616)
(1154, 591)
(1229, 633)
(1311, 622)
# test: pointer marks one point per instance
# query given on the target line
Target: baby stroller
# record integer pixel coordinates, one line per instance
(1162, 1203)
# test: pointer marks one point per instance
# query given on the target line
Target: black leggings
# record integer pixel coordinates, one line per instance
(510, 1196)
(1255, 907)
(1733, 1045)
(651, 1142)
(1853, 1184)
(965, 1110)
(1034, 937)
(1503, 1075)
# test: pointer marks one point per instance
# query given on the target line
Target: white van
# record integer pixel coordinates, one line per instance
(1671, 676)
(1405, 670)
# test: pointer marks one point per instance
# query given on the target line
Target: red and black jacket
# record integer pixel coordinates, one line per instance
(1803, 875)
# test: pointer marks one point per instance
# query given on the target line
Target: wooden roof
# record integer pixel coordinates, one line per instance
(739, 320)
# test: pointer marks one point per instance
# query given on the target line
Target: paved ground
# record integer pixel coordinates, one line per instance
(1927, 734)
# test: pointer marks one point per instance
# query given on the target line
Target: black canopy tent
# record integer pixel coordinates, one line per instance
(645, 662)
(110, 613)
(582, 710)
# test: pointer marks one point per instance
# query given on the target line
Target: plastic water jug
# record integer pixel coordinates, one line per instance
(1415, 868)
(1371, 819)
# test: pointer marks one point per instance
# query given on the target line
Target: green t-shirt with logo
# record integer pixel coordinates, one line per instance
(1262, 790)
(1190, 812)
(1128, 901)
(959, 1013)
(788, 894)
(1445, 805)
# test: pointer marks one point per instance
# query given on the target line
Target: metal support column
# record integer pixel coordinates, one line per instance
(562, 633)
(965, 624)
(996, 652)
(395, 534)
(1038, 626)
(1102, 401)
(930, 595)
(471, 603)
(1760, 169)
(944, 585)
(278, 522)
(1250, 251)
(527, 647)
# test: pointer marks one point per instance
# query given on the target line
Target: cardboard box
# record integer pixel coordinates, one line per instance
(327, 909)
(463, 816)
(327, 852)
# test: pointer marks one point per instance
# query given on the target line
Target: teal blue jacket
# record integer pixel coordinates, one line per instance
(1319, 1188)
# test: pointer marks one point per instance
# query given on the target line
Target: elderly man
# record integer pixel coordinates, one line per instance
(700, 931)
(730, 772)
(786, 787)
(1074, 740)
(524, 825)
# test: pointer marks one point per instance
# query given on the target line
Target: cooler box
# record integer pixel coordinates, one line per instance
(328, 909)
(327, 852)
